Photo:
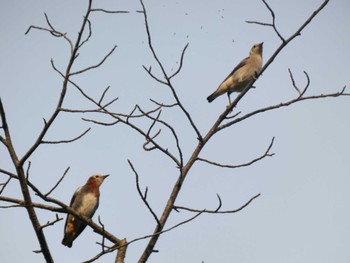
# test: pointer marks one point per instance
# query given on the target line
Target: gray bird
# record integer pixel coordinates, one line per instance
(242, 74)
(85, 201)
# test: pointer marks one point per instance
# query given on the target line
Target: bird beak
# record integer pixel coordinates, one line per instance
(261, 43)
(105, 176)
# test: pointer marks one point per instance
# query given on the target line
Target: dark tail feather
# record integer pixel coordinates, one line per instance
(67, 241)
(211, 97)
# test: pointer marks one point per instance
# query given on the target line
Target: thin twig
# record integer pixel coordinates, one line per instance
(67, 141)
(284, 104)
(217, 211)
(181, 62)
(273, 24)
(88, 36)
(307, 83)
(165, 75)
(103, 95)
(94, 66)
(150, 140)
(170, 128)
(143, 198)
(52, 222)
(59, 181)
(108, 11)
(149, 71)
(101, 123)
(293, 82)
(52, 31)
(28, 169)
(5, 184)
(163, 105)
(103, 237)
(265, 154)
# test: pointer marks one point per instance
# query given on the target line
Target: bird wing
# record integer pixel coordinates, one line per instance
(240, 65)
(73, 204)
(78, 225)
(76, 200)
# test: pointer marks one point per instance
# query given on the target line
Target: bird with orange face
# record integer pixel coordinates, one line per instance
(84, 201)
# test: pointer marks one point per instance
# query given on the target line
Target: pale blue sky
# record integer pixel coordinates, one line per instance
(302, 214)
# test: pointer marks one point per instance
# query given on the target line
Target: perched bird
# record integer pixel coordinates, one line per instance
(242, 74)
(85, 201)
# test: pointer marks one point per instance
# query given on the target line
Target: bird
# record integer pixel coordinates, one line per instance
(242, 74)
(84, 201)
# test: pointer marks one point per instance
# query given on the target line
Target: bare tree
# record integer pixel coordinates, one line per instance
(152, 128)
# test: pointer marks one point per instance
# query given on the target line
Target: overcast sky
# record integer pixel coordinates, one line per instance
(302, 214)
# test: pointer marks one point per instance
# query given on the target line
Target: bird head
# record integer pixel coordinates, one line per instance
(257, 49)
(97, 179)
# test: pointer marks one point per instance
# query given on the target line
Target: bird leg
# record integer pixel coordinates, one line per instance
(229, 98)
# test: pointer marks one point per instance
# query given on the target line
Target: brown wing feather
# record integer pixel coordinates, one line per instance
(240, 65)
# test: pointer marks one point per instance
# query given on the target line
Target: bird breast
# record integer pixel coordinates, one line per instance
(88, 204)
(249, 70)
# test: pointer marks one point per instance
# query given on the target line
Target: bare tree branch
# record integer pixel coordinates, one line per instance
(101, 123)
(94, 66)
(24, 188)
(121, 251)
(153, 122)
(59, 181)
(143, 197)
(119, 247)
(293, 82)
(21, 203)
(213, 130)
(63, 90)
(103, 237)
(265, 154)
(181, 62)
(284, 104)
(103, 95)
(109, 11)
(167, 78)
(273, 25)
(295, 86)
(217, 211)
(52, 31)
(52, 222)
(88, 36)
(67, 141)
(5, 184)
(163, 105)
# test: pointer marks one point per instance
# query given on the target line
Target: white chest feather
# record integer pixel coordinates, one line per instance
(88, 204)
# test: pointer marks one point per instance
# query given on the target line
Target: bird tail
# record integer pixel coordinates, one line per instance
(67, 241)
(212, 97)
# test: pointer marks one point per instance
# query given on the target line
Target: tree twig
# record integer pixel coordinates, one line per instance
(264, 155)
(67, 141)
(52, 222)
(217, 211)
(143, 197)
(94, 66)
(59, 181)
